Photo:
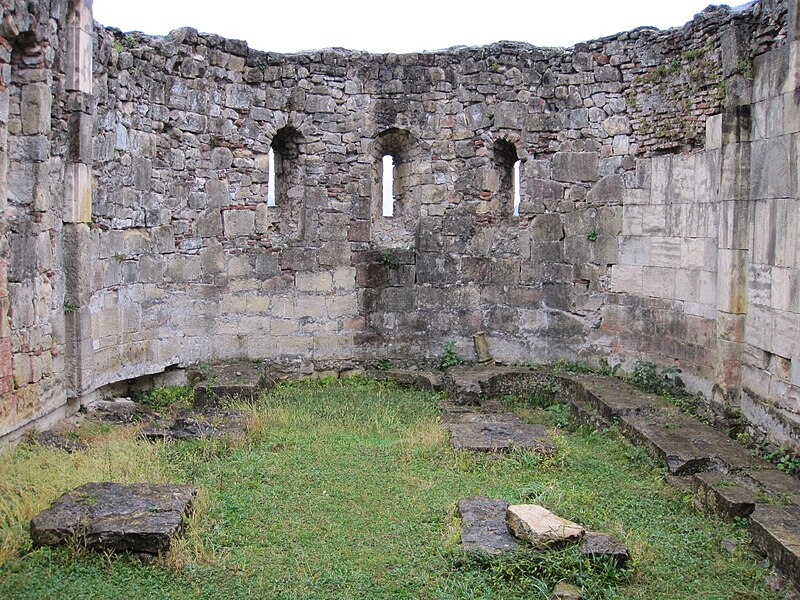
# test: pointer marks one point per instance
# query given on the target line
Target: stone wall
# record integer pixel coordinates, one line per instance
(39, 43)
(633, 150)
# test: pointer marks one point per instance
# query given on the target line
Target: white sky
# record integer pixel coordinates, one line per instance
(396, 25)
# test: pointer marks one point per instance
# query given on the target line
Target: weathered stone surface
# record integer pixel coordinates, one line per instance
(724, 495)
(540, 527)
(576, 166)
(53, 439)
(140, 517)
(496, 433)
(776, 533)
(188, 425)
(566, 591)
(601, 545)
(463, 385)
(121, 411)
(684, 444)
(167, 144)
(423, 380)
(216, 384)
(484, 526)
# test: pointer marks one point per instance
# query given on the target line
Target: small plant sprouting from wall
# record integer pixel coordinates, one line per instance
(388, 258)
(450, 357)
(649, 377)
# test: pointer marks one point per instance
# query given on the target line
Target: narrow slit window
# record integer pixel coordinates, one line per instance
(516, 182)
(388, 186)
(271, 178)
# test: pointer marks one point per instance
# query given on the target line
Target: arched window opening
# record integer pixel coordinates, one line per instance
(396, 177)
(509, 168)
(388, 185)
(286, 181)
(271, 178)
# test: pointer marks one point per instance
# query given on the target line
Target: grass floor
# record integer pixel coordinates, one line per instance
(347, 489)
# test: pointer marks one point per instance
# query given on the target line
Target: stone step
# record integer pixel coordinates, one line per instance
(724, 475)
(776, 532)
(684, 444)
(739, 494)
(216, 384)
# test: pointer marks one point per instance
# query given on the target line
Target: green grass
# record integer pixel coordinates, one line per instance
(347, 489)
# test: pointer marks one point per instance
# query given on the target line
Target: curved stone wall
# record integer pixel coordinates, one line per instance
(636, 235)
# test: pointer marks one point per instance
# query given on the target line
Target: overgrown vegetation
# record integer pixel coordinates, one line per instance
(347, 489)
(165, 397)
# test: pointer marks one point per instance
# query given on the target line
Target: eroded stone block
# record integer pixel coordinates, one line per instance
(140, 517)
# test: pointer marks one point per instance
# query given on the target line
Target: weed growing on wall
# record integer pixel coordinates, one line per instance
(450, 357)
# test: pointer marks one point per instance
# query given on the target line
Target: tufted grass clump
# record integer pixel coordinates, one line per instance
(348, 489)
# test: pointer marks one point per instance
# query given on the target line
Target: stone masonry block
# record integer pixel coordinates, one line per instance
(80, 41)
(632, 217)
(714, 132)
(654, 220)
(634, 250)
(344, 278)
(665, 251)
(548, 228)
(770, 168)
(310, 305)
(682, 178)
(320, 281)
(609, 190)
(78, 193)
(658, 282)
(238, 223)
(342, 306)
(734, 216)
(732, 280)
(81, 128)
(35, 108)
(660, 178)
(627, 279)
(576, 166)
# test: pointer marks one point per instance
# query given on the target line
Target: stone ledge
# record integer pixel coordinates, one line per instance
(776, 533)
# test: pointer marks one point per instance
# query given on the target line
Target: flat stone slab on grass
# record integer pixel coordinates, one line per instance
(496, 433)
(540, 527)
(484, 526)
(602, 545)
(140, 517)
(54, 439)
(189, 425)
(566, 591)
(121, 411)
